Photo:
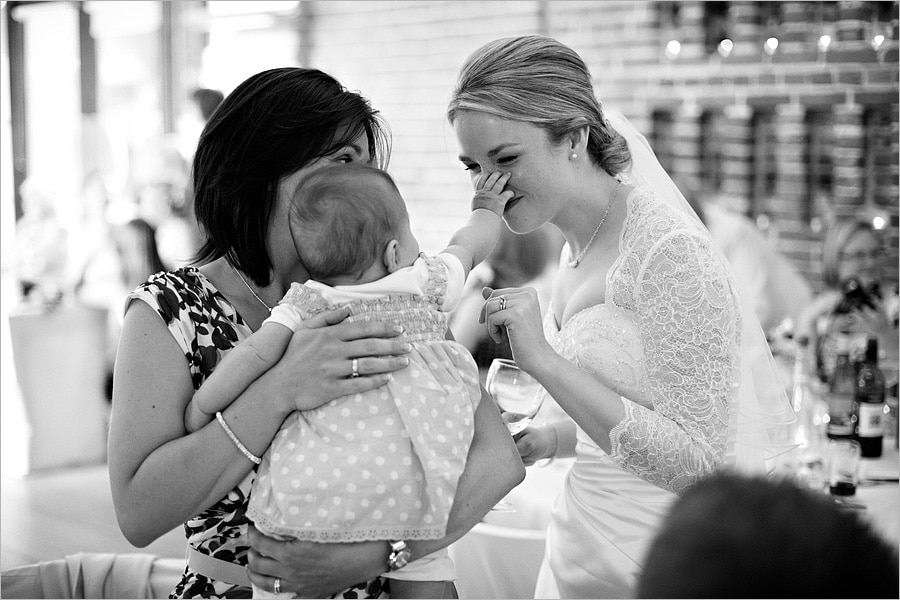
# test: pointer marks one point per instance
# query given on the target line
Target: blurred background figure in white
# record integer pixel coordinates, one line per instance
(768, 282)
(40, 251)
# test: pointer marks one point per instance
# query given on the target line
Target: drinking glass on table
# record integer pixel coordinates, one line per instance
(518, 396)
(843, 467)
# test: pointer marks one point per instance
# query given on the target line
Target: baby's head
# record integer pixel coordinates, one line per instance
(350, 225)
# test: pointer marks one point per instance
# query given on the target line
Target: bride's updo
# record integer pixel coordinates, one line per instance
(539, 80)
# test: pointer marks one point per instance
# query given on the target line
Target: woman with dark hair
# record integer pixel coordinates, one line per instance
(274, 129)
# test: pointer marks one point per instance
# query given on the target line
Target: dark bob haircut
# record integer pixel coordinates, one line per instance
(272, 125)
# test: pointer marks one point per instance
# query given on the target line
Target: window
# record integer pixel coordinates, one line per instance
(711, 136)
(715, 24)
(819, 126)
(668, 16)
(880, 166)
(662, 138)
(765, 173)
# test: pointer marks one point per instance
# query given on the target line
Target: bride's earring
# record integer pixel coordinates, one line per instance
(573, 156)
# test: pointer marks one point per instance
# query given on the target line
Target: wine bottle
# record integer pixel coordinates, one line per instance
(870, 402)
(842, 396)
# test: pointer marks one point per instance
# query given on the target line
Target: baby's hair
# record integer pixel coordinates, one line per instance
(341, 218)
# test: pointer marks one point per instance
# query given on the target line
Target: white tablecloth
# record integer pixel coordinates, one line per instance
(501, 556)
(882, 500)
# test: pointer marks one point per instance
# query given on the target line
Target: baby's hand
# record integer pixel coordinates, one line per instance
(489, 192)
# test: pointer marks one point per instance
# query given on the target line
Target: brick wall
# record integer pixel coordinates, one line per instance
(838, 105)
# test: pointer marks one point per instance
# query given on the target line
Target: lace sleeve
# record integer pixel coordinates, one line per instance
(690, 327)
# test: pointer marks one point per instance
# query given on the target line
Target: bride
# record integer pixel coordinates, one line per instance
(645, 344)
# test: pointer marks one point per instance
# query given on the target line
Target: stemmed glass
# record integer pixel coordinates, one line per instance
(518, 396)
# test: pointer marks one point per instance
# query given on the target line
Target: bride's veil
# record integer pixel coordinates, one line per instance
(762, 423)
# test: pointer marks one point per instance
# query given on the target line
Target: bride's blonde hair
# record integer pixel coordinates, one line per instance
(539, 80)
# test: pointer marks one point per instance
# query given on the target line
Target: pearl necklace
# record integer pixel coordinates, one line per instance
(255, 295)
(574, 263)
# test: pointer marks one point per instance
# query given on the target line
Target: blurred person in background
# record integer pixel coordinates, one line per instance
(641, 344)
(138, 258)
(179, 324)
(135, 243)
(517, 260)
(856, 302)
(766, 279)
(169, 210)
(40, 252)
(732, 536)
(202, 104)
(168, 200)
(207, 101)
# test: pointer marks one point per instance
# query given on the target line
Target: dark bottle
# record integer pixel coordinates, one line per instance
(870, 402)
(842, 396)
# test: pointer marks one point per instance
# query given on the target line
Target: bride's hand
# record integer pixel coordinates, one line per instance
(515, 313)
(318, 365)
(536, 443)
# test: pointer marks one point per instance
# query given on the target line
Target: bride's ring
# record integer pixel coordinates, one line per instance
(276, 587)
(502, 302)
(354, 368)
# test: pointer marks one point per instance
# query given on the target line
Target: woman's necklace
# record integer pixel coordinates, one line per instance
(577, 261)
(255, 295)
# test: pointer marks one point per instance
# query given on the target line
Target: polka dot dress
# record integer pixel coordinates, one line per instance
(383, 464)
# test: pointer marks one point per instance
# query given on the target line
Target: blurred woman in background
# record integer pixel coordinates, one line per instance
(857, 301)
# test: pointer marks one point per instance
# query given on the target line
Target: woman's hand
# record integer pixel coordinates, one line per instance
(329, 357)
(312, 570)
(536, 443)
(515, 313)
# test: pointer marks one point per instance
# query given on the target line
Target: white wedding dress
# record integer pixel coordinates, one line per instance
(667, 340)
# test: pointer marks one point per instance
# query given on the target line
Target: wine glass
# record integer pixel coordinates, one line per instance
(518, 396)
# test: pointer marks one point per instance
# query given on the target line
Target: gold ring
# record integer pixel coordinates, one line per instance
(502, 302)
(354, 368)
(276, 587)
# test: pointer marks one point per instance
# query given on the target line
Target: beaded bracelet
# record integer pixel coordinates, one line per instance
(250, 456)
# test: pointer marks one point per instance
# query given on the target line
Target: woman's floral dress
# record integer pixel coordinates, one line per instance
(206, 326)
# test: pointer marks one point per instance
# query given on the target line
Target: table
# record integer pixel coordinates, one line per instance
(882, 500)
(59, 364)
(501, 556)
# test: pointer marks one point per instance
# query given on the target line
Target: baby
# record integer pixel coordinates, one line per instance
(384, 464)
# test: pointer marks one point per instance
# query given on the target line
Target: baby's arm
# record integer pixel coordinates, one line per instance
(239, 368)
(474, 241)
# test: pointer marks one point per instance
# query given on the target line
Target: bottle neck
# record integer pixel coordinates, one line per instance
(872, 351)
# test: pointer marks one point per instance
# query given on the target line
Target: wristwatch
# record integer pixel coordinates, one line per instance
(399, 556)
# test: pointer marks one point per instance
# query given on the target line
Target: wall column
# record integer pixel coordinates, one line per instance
(848, 158)
(737, 155)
